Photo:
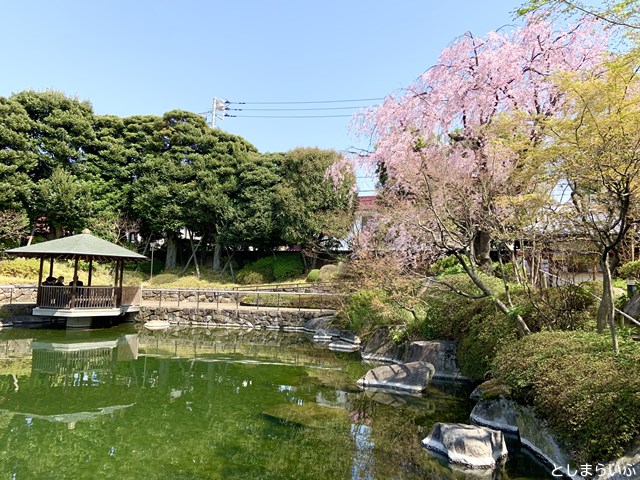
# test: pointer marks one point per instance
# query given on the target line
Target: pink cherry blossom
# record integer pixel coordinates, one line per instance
(445, 165)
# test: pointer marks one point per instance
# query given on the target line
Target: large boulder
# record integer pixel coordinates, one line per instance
(411, 377)
(490, 389)
(537, 438)
(342, 346)
(319, 323)
(468, 446)
(380, 348)
(441, 354)
(623, 468)
(496, 413)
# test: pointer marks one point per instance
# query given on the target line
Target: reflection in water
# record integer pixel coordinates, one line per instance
(363, 458)
(205, 404)
(81, 359)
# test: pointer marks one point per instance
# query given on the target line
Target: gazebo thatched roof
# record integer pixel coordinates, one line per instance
(82, 247)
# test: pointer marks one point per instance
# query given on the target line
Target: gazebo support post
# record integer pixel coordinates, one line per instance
(115, 284)
(40, 273)
(39, 294)
(74, 284)
(90, 272)
(51, 267)
(121, 268)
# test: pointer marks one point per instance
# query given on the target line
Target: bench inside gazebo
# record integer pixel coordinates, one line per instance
(80, 301)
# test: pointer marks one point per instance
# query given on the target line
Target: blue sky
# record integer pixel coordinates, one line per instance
(148, 57)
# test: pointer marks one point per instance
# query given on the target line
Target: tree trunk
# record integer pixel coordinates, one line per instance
(482, 251)
(522, 326)
(614, 260)
(310, 259)
(33, 232)
(58, 232)
(194, 251)
(172, 250)
(217, 256)
(606, 314)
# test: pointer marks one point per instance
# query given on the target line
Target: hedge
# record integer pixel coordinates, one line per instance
(285, 266)
(589, 397)
(293, 301)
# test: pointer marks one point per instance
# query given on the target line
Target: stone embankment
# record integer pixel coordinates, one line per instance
(285, 319)
(10, 294)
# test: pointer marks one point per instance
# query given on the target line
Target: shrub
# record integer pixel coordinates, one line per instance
(474, 324)
(367, 310)
(260, 271)
(449, 313)
(287, 265)
(507, 271)
(485, 333)
(567, 307)
(328, 273)
(314, 275)
(630, 270)
(363, 309)
(20, 267)
(447, 266)
(254, 278)
(588, 397)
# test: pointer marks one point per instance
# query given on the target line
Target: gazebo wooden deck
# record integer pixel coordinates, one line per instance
(79, 301)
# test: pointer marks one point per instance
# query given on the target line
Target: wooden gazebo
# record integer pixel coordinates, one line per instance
(80, 301)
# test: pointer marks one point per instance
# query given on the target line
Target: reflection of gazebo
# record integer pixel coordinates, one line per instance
(83, 301)
(71, 359)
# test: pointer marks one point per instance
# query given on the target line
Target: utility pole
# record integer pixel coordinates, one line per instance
(218, 104)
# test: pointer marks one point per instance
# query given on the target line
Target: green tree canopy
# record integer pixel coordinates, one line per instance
(312, 211)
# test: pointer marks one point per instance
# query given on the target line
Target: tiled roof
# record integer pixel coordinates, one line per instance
(367, 202)
(83, 246)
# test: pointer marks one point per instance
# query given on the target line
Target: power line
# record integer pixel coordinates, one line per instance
(220, 108)
(307, 102)
(285, 116)
(297, 109)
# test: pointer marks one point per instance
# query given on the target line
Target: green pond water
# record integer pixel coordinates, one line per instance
(126, 403)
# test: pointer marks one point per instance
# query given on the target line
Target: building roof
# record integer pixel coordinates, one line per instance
(83, 246)
(366, 202)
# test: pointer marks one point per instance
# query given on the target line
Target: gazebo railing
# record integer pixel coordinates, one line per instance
(131, 296)
(51, 296)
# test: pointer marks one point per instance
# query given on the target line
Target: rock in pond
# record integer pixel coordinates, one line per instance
(537, 438)
(441, 354)
(319, 323)
(498, 413)
(380, 348)
(342, 346)
(411, 377)
(467, 445)
(156, 324)
(326, 336)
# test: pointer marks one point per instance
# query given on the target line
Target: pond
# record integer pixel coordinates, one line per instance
(211, 404)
